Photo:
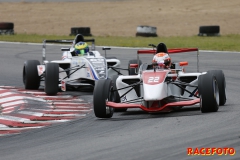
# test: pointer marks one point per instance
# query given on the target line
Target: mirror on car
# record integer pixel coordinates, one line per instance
(106, 48)
(65, 49)
(133, 65)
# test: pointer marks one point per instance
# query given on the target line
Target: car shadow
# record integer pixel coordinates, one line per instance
(133, 114)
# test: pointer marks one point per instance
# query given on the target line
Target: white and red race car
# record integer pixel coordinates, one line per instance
(160, 90)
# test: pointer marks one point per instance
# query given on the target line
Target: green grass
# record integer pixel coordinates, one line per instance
(219, 43)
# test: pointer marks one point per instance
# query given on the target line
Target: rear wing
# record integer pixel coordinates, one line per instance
(171, 51)
(63, 42)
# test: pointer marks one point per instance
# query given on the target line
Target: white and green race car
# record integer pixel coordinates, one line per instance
(71, 71)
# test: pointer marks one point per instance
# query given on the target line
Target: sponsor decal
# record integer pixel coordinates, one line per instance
(153, 78)
(41, 69)
(161, 54)
(88, 74)
(74, 63)
(194, 93)
(124, 99)
(64, 57)
(99, 68)
(63, 85)
(226, 151)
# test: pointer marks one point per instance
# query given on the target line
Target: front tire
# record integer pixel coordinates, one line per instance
(31, 79)
(209, 93)
(102, 93)
(51, 78)
(221, 85)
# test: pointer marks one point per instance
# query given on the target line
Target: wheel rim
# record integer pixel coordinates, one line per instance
(111, 95)
(24, 76)
(111, 98)
(216, 91)
(200, 101)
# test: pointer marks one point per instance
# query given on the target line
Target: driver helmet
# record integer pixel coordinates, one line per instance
(162, 59)
(81, 48)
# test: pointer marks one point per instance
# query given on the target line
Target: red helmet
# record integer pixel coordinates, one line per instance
(162, 59)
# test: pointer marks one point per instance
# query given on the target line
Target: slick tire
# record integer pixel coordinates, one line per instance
(31, 79)
(209, 30)
(132, 71)
(102, 93)
(221, 85)
(6, 25)
(146, 31)
(85, 31)
(51, 78)
(209, 93)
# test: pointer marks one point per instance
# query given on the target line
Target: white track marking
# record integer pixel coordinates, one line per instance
(69, 110)
(25, 120)
(45, 96)
(14, 103)
(4, 100)
(134, 48)
(64, 115)
(37, 114)
(33, 92)
(8, 109)
(7, 87)
(13, 118)
(7, 94)
(67, 103)
(62, 110)
(6, 128)
(77, 107)
(13, 99)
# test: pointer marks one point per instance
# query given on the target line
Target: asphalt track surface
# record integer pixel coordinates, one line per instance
(134, 134)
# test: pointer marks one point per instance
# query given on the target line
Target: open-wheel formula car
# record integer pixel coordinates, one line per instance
(72, 71)
(155, 89)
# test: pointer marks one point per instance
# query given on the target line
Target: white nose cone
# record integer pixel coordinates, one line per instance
(155, 92)
(154, 86)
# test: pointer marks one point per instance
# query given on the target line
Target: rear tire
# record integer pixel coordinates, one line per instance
(102, 93)
(209, 93)
(132, 71)
(221, 85)
(51, 78)
(31, 79)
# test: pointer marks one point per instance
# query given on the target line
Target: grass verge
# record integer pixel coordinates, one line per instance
(219, 43)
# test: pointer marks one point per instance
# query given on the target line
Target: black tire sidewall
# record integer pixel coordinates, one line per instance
(6, 25)
(100, 95)
(31, 79)
(206, 91)
(221, 85)
(51, 78)
(116, 94)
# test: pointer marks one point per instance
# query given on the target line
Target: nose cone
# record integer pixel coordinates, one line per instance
(153, 85)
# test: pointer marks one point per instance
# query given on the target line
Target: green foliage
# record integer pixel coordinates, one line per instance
(220, 43)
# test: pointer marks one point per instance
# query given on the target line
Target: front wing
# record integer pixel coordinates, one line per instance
(165, 107)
